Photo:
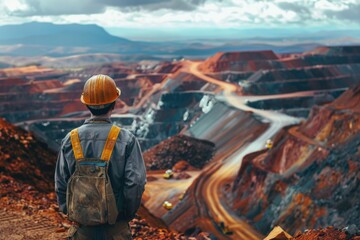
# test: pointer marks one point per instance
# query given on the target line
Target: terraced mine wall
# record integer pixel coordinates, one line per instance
(310, 178)
(175, 111)
(229, 129)
(296, 106)
(295, 80)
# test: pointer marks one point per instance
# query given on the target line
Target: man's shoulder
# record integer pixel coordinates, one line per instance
(126, 135)
(66, 138)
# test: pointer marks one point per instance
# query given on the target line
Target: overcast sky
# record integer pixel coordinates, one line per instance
(147, 14)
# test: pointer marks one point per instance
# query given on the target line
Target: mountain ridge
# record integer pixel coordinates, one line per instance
(43, 33)
(58, 40)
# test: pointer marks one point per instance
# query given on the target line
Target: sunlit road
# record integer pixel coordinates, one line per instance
(209, 200)
(211, 187)
(169, 189)
(193, 68)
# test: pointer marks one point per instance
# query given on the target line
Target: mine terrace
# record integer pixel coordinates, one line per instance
(234, 145)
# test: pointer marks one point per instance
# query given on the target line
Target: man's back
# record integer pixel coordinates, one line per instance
(126, 166)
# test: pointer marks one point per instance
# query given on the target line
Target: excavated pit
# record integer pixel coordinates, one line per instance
(266, 82)
(296, 106)
(310, 178)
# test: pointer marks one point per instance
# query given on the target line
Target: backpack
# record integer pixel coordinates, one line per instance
(90, 199)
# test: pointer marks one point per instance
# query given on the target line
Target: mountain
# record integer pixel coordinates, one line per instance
(58, 40)
(48, 39)
(49, 34)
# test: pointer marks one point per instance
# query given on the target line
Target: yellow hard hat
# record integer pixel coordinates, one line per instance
(99, 90)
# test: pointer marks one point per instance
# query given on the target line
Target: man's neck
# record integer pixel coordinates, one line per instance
(107, 115)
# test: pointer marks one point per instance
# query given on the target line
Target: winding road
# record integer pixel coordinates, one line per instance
(208, 186)
(211, 186)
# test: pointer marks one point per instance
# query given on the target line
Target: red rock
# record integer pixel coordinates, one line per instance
(328, 233)
(182, 165)
(59, 230)
(182, 175)
(151, 178)
(178, 148)
(239, 61)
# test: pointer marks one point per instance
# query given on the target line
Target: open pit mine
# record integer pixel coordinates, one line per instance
(242, 145)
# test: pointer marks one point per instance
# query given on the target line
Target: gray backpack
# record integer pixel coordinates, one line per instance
(90, 199)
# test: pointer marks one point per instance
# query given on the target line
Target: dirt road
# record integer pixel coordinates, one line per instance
(16, 226)
(209, 189)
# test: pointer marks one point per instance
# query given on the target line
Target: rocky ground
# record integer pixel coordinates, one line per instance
(24, 158)
(329, 233)
(179, 148)
(28, 208)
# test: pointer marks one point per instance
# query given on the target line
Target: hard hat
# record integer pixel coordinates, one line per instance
(99, 90)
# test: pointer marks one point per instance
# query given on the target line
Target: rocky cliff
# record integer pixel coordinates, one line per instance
(310, 178)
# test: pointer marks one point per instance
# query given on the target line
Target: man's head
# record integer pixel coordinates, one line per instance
(99, 94)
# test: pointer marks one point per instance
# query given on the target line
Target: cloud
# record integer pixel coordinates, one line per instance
(186, 13)
(48, 8)
(295, 7)
(177, 5)
(351, 13)
(160, 4)
(71, 7)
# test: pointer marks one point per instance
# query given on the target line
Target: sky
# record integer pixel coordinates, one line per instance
(178, 16)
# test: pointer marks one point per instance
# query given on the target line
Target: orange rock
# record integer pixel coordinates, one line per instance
(180, 166)
(278, 234)
(59, 230)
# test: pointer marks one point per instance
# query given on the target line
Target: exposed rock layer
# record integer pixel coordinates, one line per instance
(311, 177)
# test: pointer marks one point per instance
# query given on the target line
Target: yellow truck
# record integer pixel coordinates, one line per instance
(167, 205)
(269, 144)
(168, 174)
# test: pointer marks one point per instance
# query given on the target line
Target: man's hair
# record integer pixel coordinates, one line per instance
(101, 110)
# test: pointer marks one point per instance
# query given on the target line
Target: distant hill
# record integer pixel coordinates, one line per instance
(37, 39)
(4, 65)
(49, 34)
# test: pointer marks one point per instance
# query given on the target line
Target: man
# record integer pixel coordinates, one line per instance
(100, 172)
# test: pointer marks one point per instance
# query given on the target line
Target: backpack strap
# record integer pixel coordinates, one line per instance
(75, 143)
(110, 143)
